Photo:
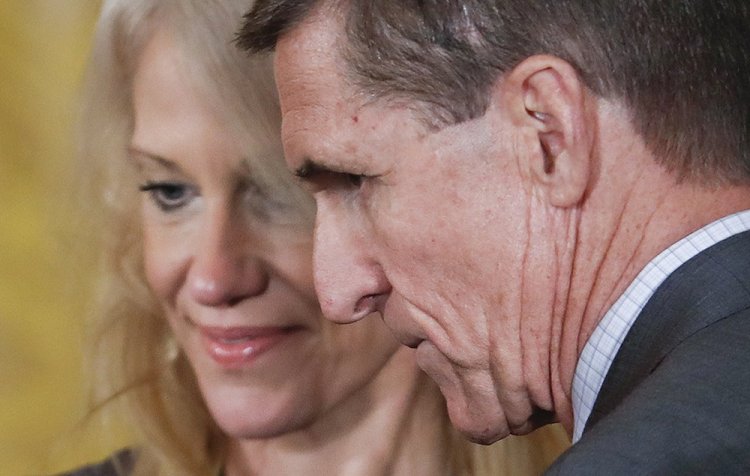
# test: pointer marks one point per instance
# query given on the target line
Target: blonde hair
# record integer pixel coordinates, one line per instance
(133, 359)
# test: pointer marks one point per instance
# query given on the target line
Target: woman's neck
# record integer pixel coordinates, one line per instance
(395, 426)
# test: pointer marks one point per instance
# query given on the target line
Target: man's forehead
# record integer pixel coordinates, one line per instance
(308, 58)
(329, 123)
(318, 36)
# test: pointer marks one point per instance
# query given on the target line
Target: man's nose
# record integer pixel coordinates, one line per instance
(348, 280)
(226, 267)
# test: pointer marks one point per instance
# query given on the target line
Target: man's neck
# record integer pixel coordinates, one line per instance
(620, 230)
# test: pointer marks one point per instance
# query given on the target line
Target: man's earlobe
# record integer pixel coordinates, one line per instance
(550, 106)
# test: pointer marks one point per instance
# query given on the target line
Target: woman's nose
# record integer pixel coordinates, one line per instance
(226, 267)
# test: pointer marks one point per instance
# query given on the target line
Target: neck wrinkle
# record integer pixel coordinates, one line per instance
(561, 392)
(599, 274)
(658, 212)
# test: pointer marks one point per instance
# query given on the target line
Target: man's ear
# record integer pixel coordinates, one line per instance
(547, 101)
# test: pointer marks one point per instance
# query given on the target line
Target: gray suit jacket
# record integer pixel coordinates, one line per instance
(677, 397)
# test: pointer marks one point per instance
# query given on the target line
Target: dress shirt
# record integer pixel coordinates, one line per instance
(605, 342)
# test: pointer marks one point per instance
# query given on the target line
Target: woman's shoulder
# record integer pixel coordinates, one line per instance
(119, 464)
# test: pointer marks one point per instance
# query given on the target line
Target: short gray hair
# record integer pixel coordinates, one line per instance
(682, 67)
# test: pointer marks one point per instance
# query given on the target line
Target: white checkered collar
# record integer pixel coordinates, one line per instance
(605, 342)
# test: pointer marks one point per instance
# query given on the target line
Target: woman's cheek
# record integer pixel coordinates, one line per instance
(164, 262)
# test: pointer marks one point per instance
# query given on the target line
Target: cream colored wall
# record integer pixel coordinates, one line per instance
(43, 49)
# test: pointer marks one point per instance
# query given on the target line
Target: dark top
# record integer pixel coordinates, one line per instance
(119, 464)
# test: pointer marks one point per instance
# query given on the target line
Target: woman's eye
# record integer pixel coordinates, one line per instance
(168, 196)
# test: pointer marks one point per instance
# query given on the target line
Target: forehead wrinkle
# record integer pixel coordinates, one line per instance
(302, 126)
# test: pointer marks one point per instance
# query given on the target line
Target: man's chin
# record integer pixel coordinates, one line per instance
(478, 429)
(475, 427)
(473, 407)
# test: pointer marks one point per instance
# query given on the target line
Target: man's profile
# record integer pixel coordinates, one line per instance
(548, 200)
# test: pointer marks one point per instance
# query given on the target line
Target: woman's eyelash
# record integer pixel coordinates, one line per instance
(168, 196)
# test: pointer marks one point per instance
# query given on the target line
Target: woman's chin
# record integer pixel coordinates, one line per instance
(252, 418)
(263, 427)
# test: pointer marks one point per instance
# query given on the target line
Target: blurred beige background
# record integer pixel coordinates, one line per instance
(43, 49)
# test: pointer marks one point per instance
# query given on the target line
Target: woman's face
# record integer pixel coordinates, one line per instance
(229, 259)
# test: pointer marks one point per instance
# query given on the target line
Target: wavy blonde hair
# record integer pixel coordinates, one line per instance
(135, 365)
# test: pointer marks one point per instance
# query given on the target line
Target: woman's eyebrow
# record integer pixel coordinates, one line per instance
(139, 155)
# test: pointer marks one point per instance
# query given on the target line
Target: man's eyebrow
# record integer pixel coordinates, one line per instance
(309, 169)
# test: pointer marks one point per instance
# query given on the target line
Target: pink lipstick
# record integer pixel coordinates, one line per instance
(234, 347)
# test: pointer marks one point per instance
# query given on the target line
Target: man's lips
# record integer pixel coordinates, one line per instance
(400, 316)
(403, 336)
(410, 341)
(239, 346)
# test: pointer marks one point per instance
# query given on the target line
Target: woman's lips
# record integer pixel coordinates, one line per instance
(234, 347)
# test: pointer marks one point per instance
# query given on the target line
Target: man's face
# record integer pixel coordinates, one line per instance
(427, 226)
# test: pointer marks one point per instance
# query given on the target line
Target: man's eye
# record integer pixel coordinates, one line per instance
(168, 196)
(355, 180)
